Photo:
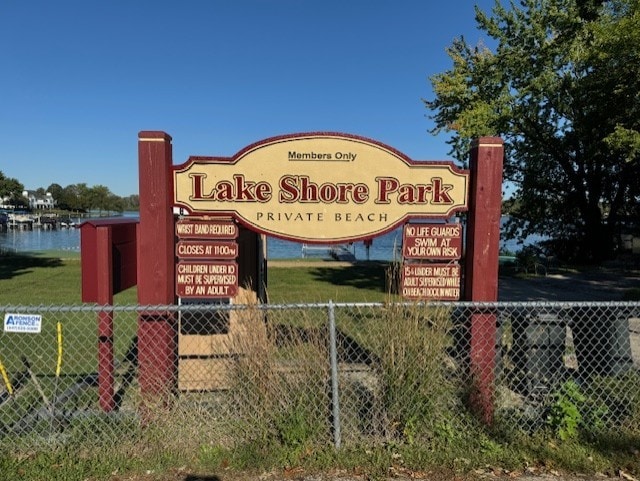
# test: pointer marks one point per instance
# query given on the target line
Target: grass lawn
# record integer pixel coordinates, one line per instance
(45, 278)
(322, 281)
(34, 279)
(54, 278)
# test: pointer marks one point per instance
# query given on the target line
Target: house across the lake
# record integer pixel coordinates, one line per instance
(35, 200)
(39, 201)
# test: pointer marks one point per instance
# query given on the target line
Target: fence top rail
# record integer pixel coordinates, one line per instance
(555, 305)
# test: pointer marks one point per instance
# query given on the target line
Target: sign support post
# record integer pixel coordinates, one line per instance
(157, 331)
(481, 277)
(105, 319)
(108, 267)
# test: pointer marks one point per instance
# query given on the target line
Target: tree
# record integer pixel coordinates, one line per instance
(131, 202)
(12, 189)
(56, 192)
(75, 197)
(561, 89)
(99, 197)
(103, 199)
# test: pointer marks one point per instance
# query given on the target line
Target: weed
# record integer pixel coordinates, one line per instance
(416, 387)
(572, 412)
(276, 388)
(564, 414)
(615, 402)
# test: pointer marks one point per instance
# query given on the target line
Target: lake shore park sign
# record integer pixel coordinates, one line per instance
(315, 187)
(320, 187)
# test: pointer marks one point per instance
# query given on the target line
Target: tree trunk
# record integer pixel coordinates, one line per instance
(598, 241)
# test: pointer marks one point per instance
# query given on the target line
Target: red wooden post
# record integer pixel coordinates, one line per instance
(157, 334)
(104, 298)
(481, 264)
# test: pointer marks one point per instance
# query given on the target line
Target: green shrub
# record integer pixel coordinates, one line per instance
(573, 412)
(564, 415)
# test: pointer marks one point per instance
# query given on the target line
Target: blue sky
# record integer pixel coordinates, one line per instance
(80, 79)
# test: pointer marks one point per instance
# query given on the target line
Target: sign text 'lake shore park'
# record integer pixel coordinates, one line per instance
(320, 187)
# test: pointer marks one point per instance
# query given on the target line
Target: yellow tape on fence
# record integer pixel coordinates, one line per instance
(59, 365)
(5, 378)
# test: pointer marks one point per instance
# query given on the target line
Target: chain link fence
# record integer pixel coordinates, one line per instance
(323, 374)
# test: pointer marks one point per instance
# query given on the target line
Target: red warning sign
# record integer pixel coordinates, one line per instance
(206, 229)
(206, 279)
(432, 241)
(201, 249)
(439, 282)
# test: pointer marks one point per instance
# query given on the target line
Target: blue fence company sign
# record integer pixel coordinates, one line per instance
(31, 323)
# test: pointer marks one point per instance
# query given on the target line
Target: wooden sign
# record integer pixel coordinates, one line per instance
(439, 282)
(432, 241)
(206, 229)
(203, 249)
(199, 279)
(320, 187)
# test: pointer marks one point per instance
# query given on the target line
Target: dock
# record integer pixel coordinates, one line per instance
(338, 252)
(29, 222)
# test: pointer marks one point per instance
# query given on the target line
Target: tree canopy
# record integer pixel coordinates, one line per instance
(81, 197)
(561, 87)
(74, 197)
(10, 188)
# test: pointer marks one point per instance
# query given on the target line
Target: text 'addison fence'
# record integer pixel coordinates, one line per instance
(327, 374)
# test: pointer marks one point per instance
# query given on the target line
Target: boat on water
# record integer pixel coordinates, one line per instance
(20, 220)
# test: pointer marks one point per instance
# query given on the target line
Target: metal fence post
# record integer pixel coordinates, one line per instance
(333, 353)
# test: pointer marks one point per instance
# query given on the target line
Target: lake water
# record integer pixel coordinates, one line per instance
(69, 240)
(384, 248)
